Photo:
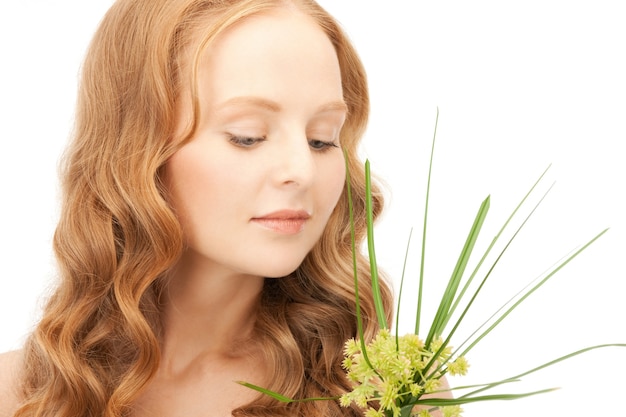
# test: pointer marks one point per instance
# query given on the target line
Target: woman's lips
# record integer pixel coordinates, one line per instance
(286, 222)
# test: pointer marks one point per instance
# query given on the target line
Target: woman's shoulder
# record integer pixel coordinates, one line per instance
(9, 370)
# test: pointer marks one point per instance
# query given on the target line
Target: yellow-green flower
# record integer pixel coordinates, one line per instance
(458, 367)
(351, 347)
(395, 372)
(372, 412)
(451, 411)
(415, 389)
(431, 385)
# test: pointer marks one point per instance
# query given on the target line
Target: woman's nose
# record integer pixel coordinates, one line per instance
(295, 164)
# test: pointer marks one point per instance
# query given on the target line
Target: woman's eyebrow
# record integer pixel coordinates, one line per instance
(263, 103)
(339, 105)
(251, 101)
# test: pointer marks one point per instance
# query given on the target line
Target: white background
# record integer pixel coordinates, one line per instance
(519, 85)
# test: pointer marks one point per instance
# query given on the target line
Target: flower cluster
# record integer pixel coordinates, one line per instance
(393, 372)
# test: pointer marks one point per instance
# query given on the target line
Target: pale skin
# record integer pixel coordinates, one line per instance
(268, 141)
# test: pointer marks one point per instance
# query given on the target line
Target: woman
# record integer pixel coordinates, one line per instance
(204, 234)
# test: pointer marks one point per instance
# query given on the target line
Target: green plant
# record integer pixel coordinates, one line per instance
(401, 376)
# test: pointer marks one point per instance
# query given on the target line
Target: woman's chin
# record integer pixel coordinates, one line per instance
(281, 271)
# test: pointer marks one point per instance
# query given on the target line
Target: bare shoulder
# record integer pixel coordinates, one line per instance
(9, 369)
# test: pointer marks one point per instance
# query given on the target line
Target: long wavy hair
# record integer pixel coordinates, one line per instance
(98, 343)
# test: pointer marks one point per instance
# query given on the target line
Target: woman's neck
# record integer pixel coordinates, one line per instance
(209, 313)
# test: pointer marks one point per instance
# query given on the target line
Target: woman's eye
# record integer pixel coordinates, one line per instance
(245, 141)
(320, 145)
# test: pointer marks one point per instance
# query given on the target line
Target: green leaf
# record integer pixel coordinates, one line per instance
(442, 402)
(265, 391)
(359, 318)
(378, 301)
(493, 242)
(406, 256)
(475, 295)
(532, 290)
(545, 365)
(282, 398)
(443, 311)
(418, 313)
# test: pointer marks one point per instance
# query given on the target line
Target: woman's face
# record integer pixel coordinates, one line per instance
(257, 183)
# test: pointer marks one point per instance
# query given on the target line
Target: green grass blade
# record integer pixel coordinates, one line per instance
(267, 392)
(545, 365)
(532, 290)
(280, 397)
(466, 387)
(406, 256)
(442, 402)
(492, 244)
(495, 314)
(501, 308)
(483, 282)
(378, 300)
(418, 313)
(443, 311)
(359, 318)
(448, 296)
(568, 356)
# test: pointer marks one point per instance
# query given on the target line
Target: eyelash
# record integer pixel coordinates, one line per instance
(248, 142)
(245, 141)
(322, 146)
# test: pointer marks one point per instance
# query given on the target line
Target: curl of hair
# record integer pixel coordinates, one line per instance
(97, 344)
